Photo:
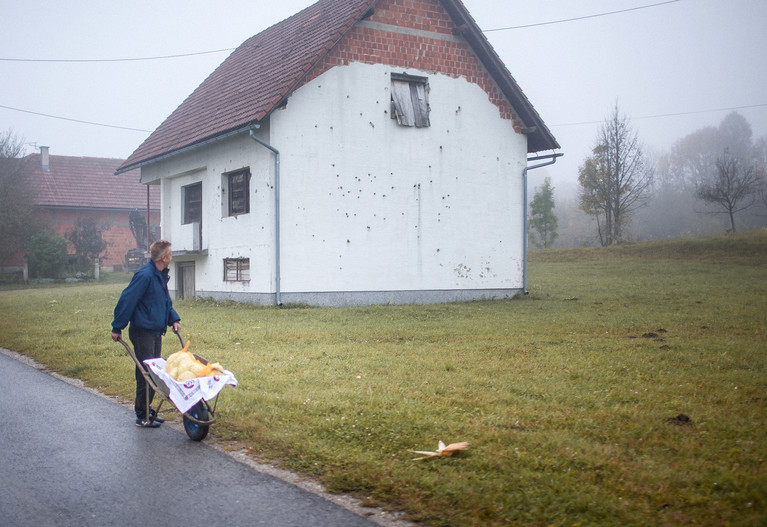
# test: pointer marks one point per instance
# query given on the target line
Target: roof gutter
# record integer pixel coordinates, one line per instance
(277, 299)
(552, 158)
(183, 150)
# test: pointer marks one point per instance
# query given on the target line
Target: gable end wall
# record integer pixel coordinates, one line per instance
(415, 34)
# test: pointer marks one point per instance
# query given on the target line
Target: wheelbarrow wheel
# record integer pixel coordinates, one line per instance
(193, 430)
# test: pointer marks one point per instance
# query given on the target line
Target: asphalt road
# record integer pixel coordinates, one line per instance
(71, 457)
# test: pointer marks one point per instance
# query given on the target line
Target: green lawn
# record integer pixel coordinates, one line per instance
(572, 398)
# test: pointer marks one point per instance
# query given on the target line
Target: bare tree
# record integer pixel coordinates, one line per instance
(615, 179)
(17, 207)
(761, 148)
(691, 163)
(691, 159)
(733, 187)
(86, 239)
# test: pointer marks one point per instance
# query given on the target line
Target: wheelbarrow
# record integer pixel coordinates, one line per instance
(199, 417)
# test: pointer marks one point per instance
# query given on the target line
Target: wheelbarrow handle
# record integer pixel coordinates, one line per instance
(178, 334)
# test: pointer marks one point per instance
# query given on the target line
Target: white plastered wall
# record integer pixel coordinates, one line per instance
(367, 206)
(245, 236)
(387, 207)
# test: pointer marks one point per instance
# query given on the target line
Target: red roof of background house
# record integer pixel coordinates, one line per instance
(260, 74)
(87, 182)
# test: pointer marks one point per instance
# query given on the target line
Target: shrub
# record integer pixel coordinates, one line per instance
(88, 244)
(47, 255)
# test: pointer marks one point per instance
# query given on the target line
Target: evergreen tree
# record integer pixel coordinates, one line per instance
(543, 221)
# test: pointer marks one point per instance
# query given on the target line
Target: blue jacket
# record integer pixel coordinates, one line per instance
(146, 303)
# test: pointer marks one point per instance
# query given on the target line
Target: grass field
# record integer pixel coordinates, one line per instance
(628, 388)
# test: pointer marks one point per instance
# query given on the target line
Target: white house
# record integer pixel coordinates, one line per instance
(359, 152)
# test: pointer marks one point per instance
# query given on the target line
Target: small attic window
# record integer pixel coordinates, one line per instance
(410, 100)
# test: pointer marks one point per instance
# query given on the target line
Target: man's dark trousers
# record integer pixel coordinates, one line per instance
(146, 345)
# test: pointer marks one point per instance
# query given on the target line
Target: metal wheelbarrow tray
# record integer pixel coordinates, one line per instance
(197, 419)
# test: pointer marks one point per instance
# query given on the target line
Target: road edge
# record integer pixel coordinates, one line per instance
(375, 515)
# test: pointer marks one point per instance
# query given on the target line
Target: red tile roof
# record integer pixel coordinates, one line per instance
(259, 75)
(87, 182)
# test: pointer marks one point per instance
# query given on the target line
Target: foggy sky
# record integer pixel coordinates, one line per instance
(672, 68)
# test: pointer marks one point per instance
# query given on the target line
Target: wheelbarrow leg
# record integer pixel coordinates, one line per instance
(142, 374)
(148, 417)
(152, 414)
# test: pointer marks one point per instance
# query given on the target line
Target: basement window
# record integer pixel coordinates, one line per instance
(410, 100)
(192, 196)
(236, 187)
(236, 269)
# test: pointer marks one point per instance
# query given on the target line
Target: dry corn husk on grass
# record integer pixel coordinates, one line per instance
(442, 450)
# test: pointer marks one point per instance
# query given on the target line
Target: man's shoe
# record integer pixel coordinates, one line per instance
(147, 424)
(156, 418)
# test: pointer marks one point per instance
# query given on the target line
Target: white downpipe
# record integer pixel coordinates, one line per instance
(278, 299)
(552, 158)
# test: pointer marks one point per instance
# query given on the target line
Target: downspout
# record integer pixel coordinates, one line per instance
(278, 300)
(552, 158)
(148, 219)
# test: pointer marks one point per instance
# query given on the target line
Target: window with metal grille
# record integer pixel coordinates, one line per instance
(236, 269)
(410, 100)
(192, 203)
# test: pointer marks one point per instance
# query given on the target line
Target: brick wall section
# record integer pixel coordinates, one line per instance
(118, 236)
(373, 46)
(426, 15)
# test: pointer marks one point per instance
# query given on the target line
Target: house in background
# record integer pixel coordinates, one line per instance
(359, 152)
(68, 189)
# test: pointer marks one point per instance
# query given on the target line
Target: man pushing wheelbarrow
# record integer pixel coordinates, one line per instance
(147, 306)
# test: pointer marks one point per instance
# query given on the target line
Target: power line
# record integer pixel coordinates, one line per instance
(732, 108)
(181, 55)
(122, 59)
(580, 17)
(561, 125)
(75, 120)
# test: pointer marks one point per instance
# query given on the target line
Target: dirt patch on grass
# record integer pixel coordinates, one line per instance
(680, 420)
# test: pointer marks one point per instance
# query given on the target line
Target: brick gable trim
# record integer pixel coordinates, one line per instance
(448, 37)
(377, 43)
